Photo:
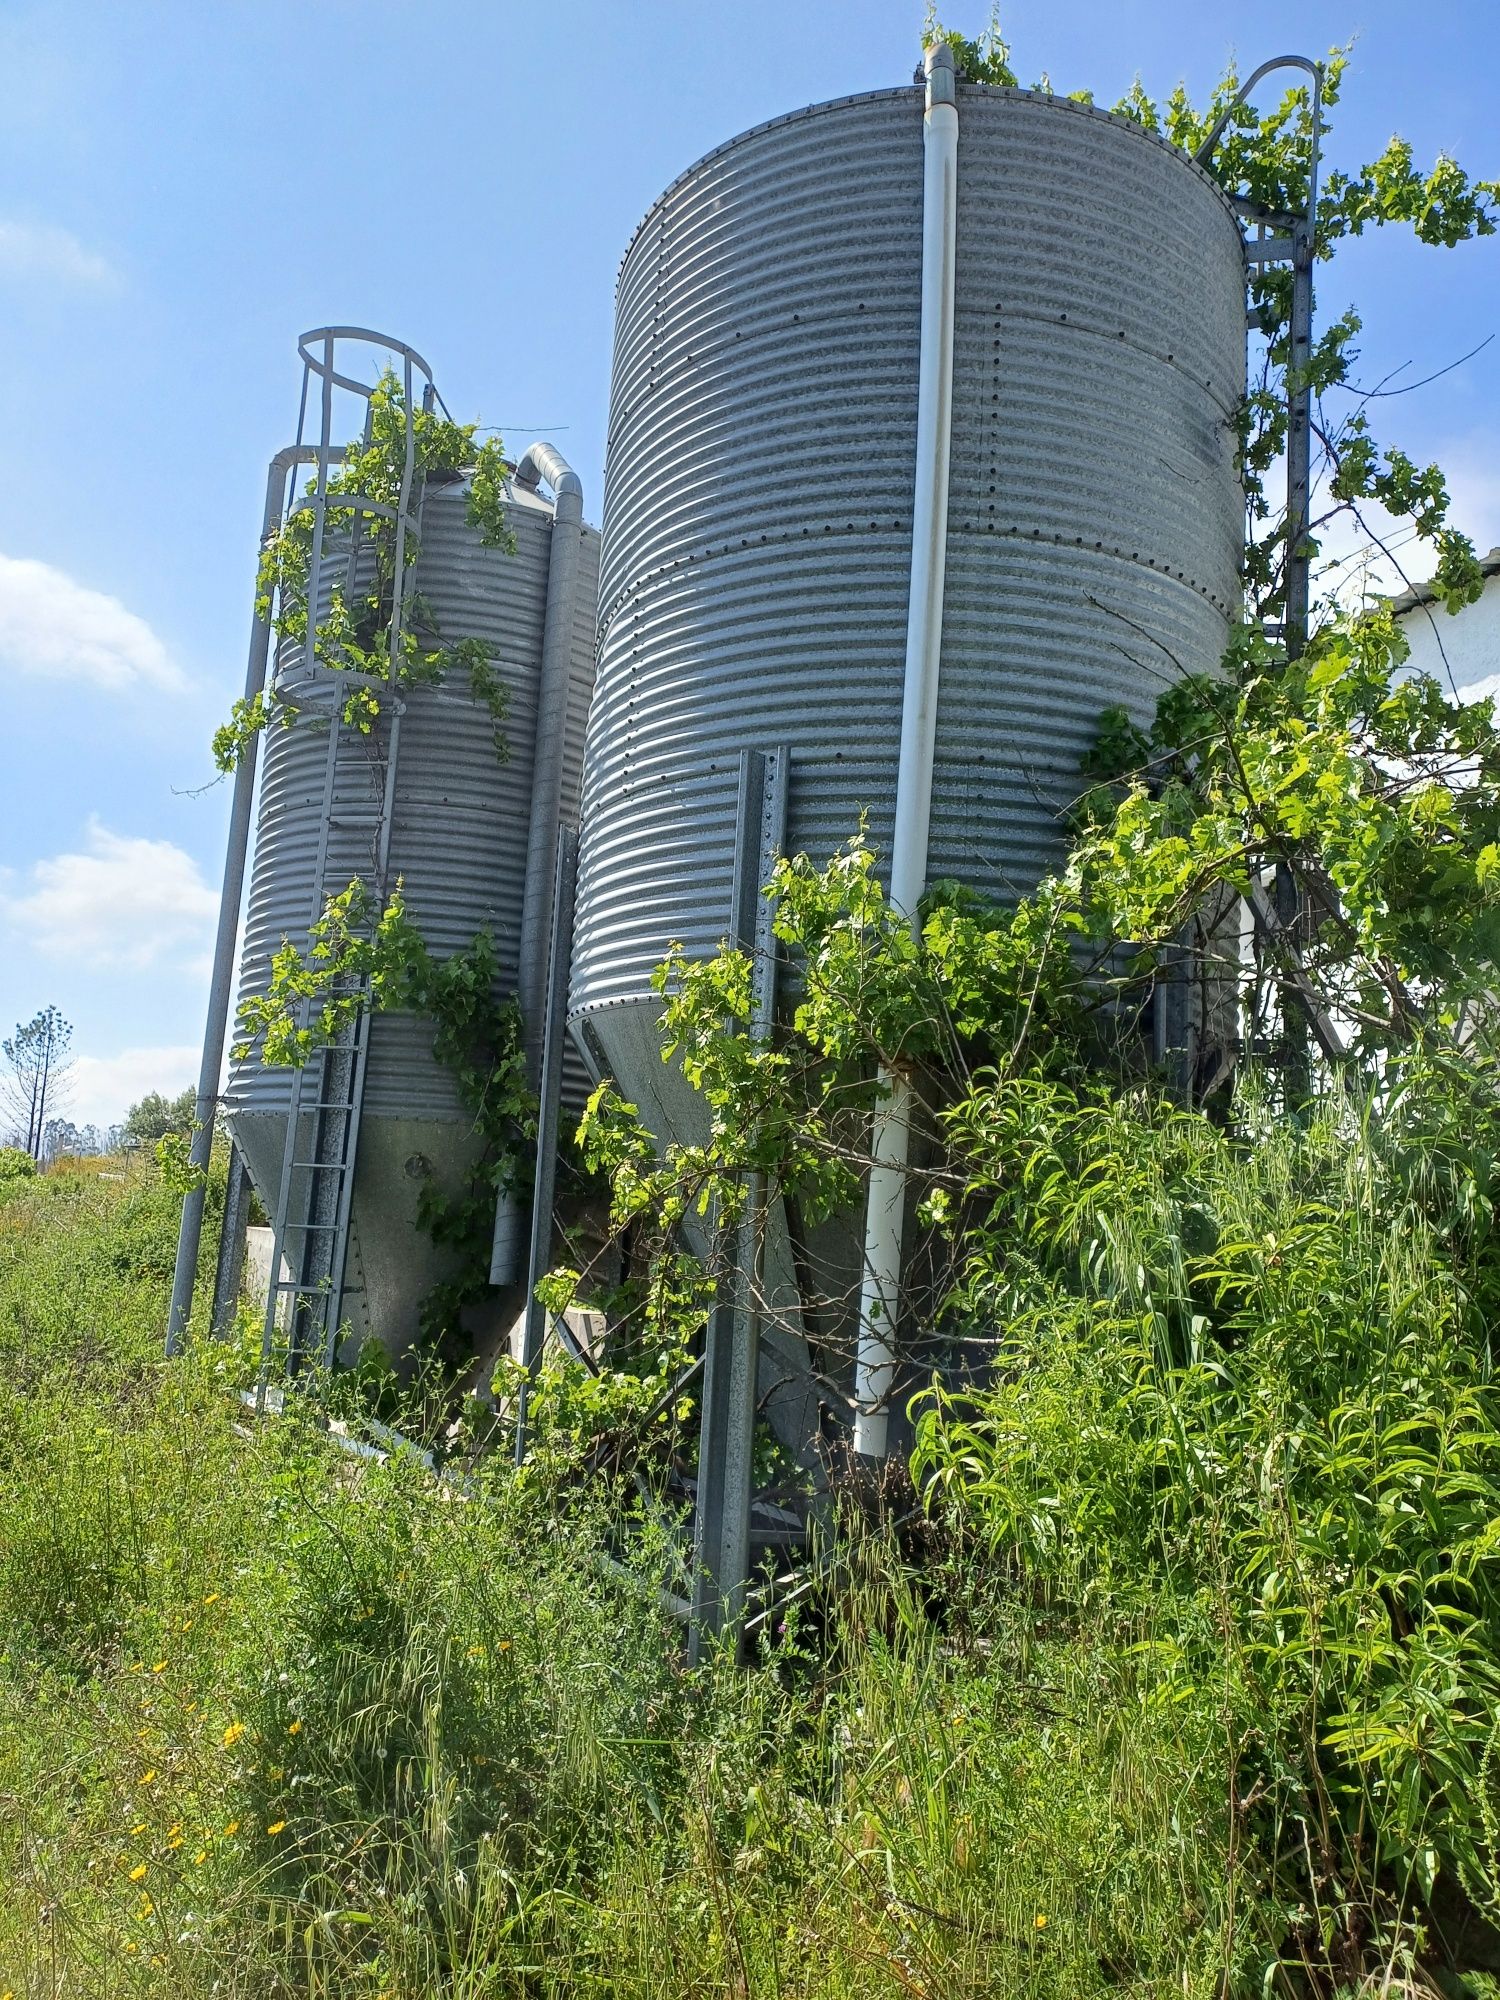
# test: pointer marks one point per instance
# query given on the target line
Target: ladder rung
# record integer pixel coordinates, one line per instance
(323, 1166)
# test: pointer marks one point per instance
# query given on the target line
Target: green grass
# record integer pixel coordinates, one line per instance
(275, 1721)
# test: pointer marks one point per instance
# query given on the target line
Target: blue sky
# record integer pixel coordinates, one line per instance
(186, 187)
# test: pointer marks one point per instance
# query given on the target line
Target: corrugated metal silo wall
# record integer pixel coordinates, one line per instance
(458, 841)
(757, 525)
(757, 501)
(458, 836)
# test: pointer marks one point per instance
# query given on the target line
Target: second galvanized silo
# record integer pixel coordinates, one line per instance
(759, 489)
(452, 816)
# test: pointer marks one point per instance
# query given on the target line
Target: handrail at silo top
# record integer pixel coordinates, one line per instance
(326, 334)
(1204, 155)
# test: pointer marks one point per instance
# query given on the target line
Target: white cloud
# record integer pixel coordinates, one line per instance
(40, 250)
(103, 1088)
(57, 629)
(124, 902)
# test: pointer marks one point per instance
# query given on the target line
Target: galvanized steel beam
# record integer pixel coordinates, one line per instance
(731, 1361)
(548, 1123)
(221, 980)
(230, 1268)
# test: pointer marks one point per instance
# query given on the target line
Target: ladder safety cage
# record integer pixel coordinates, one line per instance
(310, 1237)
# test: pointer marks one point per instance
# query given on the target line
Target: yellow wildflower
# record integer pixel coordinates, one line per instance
(200, 1858)
(295, 1727)
(148, 1777)
(138, 1874)
(277, 1826)
(187, 1624)
(160, 1667)
(139, 1827)
(232, 1828)
(1041, 1922)
(233, 1734)
(212, 1597)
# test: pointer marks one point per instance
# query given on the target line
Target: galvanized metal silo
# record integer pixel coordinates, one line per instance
(458, 843)
(468, 828)
(758, 518)
(757, 512)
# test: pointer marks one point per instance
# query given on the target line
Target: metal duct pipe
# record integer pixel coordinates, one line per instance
(538, 463)
(222, 981)
(880, 1296)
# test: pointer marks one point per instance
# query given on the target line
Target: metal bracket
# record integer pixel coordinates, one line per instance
(231, 1261)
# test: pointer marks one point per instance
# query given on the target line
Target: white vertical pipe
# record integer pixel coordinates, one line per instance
(880, 1296)
(554, 698)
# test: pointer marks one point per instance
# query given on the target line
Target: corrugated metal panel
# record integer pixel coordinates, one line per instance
(458, 837)
(757, 526)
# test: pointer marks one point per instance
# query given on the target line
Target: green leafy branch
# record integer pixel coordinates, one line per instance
(362, 955)
(1266, 158)
(354, 635)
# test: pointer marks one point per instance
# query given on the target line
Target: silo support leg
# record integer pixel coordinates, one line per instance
(231, 1265)
(548, 1119)
(721, 1526)
(726, 1450)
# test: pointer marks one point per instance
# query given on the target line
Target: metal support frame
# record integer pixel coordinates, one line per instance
(541, 462)
(230, 1268)
(721, 1524)
(1275, 920)
(1292, 240)
(1173, 1029)
(221, 983)
(548, 1121)
(1295, 244)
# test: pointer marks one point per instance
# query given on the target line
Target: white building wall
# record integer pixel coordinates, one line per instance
(1470, 641)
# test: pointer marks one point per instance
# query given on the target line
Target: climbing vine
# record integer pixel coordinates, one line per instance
(360, 954)
(1266, 158)
(354, 636)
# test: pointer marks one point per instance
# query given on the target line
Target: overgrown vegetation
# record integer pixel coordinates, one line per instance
(1179, 1670)
(360, 955)
(354, 636)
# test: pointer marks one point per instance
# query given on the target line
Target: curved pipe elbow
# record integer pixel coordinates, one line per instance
(541, 461)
